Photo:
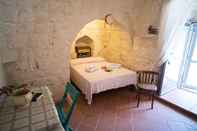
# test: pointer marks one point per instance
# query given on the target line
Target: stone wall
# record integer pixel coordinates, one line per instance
(41, 33)
(96, 31)
(132, 51)
(132, 47)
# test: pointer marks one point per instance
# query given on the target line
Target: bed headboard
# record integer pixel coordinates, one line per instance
(86, 60)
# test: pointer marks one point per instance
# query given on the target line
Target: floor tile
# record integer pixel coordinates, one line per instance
(116, 110)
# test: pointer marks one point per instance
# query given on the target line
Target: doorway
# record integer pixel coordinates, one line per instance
(181, 67)
(189, 80)
(180, 79)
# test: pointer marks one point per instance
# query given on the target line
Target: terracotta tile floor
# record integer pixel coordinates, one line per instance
(115, 110)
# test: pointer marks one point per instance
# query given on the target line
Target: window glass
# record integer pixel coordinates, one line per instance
(194, 56)
(191, 77)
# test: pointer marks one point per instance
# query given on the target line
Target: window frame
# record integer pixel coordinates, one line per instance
(189, 61)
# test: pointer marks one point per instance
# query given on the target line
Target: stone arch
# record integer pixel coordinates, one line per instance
(85, 39)
(85, 20)
(104, 30)
(88, 36)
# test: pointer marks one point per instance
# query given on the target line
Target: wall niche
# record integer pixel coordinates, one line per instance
(84, 47)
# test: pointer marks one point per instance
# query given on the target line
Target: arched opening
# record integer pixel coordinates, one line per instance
(102, 38)
(84, 47)
(89, 38)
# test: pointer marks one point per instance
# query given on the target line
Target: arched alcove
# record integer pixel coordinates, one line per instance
(84, 40)
(94, 35)
(84, 47)
(110, 41)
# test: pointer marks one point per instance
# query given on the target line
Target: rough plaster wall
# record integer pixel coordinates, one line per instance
(96, 30)
(131, 45)
(136, 53)
(41, 33)
(36, 30)
(126, 42)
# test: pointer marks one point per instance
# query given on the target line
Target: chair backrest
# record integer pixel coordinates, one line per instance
(66, 105)
(148, 77)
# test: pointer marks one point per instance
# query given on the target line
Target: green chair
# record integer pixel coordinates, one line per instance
(66, 105)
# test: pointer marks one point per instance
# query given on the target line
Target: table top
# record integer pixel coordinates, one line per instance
(38, 116)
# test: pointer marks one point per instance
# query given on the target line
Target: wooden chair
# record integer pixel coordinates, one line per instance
(147, 83)
(66, 105)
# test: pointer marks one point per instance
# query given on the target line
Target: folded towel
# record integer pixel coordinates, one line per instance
(90, 68)
(114, 66)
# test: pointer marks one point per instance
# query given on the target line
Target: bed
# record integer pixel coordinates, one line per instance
(98, 78)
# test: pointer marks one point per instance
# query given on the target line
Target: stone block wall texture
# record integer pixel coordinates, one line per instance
(115, 43)
(41, 33)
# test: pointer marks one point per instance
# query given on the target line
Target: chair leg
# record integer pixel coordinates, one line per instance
(152, 103)
(150, 97)
(136, 95)
(138, 99)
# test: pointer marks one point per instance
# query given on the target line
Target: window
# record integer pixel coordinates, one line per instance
(189, 77)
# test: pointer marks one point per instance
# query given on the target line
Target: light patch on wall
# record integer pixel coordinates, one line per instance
(115, 44)
(97, 30)
(106, 38)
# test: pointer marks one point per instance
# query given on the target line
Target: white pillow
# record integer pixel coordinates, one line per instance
(86, 60)
(114, 66)
(91, 68)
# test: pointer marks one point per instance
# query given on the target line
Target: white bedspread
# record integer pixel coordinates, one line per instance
(94, 82)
